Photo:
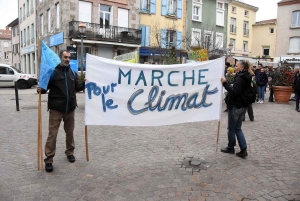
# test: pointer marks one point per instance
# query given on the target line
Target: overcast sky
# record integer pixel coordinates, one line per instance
(267, 10)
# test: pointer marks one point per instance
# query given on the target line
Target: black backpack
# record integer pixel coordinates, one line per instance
(249, 96)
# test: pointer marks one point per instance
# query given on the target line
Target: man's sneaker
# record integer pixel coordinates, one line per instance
(71, 158)
(242, 153)
(227, 150)
(48, 167)
(262, 102)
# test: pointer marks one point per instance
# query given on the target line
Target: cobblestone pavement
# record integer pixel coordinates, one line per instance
(144, 163)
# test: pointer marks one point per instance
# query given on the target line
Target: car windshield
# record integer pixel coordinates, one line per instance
(16, 69)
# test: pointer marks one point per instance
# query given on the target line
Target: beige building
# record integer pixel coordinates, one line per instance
(288, 34)
(27, 36)
(15, 56)
(5, 46)
(241, 17)
(263, 45)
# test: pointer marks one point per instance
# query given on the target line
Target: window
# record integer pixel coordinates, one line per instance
(24, 43)
(232, 25)
(220, 14)
(5, 44)
(245, 46)
(294, 45)
(28, 35)
(271, 30)
(266, 51)
(208, 39)
(49, 20)
(105, 16)
(171, 7)
(246, 13)
(21, 14)
(14, 31)
(219, 40)
(246, 28)
(232, 42)
(21, 35)
(5, 55)
(296, 19)
(197, 11)
(57, 15)
(27, 5)
(171, 38)
(32, 32)
(145, 5)
(233, 9)
(196, 37)
(42, 24)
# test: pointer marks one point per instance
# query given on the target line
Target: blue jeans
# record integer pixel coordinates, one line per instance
(261, 92)
(235, 118)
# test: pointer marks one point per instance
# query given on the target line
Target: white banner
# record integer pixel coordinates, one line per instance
(127, 94)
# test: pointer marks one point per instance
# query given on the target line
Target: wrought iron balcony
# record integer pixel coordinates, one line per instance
(232, 29)
(246, 32)
(106, 33)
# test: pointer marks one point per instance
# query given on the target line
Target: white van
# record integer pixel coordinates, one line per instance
(10, 74)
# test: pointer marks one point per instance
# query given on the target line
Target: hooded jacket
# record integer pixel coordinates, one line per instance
(63, 86)
(241, 83)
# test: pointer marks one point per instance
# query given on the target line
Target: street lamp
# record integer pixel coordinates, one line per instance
(81, 28)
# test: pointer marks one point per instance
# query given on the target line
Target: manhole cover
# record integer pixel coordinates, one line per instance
(30, 108)
(196, 164)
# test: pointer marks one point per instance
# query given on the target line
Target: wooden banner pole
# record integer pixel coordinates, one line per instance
(218, 135)
(86, 143)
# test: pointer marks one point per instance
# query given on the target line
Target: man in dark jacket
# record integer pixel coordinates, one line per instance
(62, 86)
(237, 108)
(297, 89)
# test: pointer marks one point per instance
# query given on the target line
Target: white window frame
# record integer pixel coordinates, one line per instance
(220, 10)
(32, 31)
(169, 2)
(104, 12)
(49, 19)
(168, 38)
(233, 44)
(211, 44)
(245, 43)
(196, 37)
(199, 6)
(57, 15)
(233, 9)
(146, 5)
(297, 23)
(221, 45)
(42, 24)
(294, 45)
(5, 44)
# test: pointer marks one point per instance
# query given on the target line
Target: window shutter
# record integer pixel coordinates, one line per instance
(147, 36)
(163, 38)
(179, 9)
(153, 6)
(143, 29)
(179, 40)
(294, 45)
(164, 7)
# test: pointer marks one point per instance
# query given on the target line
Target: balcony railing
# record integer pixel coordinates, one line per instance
(246, 32)
(106, 33)
(232, 29)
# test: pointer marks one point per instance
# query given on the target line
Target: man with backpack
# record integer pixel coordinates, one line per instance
(237, 104)
(62, 86)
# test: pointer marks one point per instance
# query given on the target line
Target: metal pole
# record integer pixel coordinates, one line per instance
(17, 96)
(81, 55)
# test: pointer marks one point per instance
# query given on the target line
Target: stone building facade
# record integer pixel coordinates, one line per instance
(5, 46)
(15, 38)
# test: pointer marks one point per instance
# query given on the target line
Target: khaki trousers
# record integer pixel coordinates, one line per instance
(55, 118)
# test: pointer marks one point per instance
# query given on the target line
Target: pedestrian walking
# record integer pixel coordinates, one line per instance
(237, 108)
(62, 87)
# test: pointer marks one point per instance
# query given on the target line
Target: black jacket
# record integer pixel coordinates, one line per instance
(63, 86)
(242, 82)
(262, 79)
(297, 83)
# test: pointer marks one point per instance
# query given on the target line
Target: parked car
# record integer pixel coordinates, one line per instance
(10, 74)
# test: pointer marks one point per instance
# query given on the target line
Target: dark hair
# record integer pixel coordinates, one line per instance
(61, 53)
(227, 64)
(244, 63)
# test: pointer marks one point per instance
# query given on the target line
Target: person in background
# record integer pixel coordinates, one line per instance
(230, 78)
(227, 65)
(297, 88)
(61, 105)
(270, 77)
(250, 108)
(261, 80)
(236, 108)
